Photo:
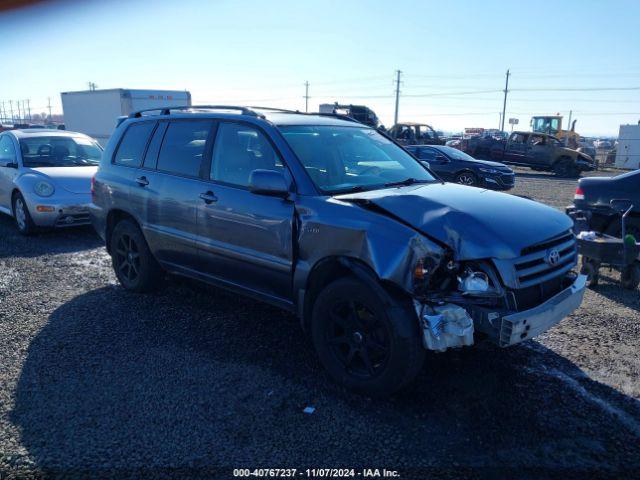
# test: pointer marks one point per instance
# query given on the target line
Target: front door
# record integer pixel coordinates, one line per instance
(539, 150)
(245, 239)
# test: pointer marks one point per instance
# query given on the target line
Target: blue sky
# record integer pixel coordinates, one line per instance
(262, 52)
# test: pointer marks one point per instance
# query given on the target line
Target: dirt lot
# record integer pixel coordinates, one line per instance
(193, 381)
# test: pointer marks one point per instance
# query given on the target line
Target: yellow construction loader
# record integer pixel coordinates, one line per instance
(552, 125)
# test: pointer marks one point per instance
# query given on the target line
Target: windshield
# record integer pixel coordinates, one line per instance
(455, 153)
(59, 151)
(341, 159)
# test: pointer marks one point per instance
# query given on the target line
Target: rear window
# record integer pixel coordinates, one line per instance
(133, 144)
(183, 147)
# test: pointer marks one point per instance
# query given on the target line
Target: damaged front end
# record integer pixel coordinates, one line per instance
(462, 300)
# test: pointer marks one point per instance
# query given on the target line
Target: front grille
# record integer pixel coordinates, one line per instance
(507, 179)
(530, 297)
(67, 220)
(534, 267)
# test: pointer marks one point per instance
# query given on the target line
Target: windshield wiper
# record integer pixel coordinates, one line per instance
(406, 181)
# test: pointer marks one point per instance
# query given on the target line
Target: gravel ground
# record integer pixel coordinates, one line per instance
(193, 381)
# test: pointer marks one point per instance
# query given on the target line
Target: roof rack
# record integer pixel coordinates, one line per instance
(167, 110)
(275, 109)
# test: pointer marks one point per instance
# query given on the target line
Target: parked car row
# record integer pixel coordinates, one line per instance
(319, 215)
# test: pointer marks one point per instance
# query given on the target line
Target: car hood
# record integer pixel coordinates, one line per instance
(473, 222)
(71, 179)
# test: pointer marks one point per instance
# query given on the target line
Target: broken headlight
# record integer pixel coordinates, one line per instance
(475, 281)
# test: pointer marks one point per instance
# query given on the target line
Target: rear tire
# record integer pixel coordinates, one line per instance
(363, 344)
(21, 215)
(134, 265)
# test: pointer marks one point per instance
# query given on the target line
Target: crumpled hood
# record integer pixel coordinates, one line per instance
(72, 179)
(475, 223)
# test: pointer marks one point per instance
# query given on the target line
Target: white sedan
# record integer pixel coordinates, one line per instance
(45, 177)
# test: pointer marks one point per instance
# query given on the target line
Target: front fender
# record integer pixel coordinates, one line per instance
(332, 228)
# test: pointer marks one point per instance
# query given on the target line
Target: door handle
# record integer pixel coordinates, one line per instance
(208, 197)
(142, 181)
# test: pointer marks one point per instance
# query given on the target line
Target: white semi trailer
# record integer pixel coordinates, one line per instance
(628, 149)
(94, 112)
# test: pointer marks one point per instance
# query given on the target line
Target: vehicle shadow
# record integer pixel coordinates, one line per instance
(64, 240)
(197, 378)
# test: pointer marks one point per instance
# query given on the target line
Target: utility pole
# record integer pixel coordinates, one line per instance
(29, 108)
(49, 104)
(395, 117)
(2, 114)
(19, 115)
(566, 138)
(11, 109)
(504, 104)
(306, 97)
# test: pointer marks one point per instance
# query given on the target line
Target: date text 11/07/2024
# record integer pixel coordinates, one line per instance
(316, 473)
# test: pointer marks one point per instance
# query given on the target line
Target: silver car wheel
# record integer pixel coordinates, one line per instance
(466, 179)
(21, 214)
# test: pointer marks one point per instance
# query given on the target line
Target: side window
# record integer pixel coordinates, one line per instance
(133, 143)
(238, 151)
(151, 157)
(7, 151)
(426, 154)
(183, 147)
(518, 138)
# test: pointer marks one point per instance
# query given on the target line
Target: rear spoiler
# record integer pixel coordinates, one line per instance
(121, 119)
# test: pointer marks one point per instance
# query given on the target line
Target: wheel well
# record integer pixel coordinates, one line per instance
(466, 170)
(561, 158)
(331, 269)
(15, 192)
(113, 218)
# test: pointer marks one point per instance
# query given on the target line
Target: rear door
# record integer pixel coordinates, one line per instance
(516, 148)
(170, 186)
(245, 239)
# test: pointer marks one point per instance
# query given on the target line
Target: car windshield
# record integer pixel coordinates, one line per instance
(59, 151)
(454, 153)
(341, 159)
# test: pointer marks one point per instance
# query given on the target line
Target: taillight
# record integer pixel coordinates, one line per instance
(579, 195)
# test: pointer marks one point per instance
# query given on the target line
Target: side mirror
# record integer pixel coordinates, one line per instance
(268, 182)
(425, 163)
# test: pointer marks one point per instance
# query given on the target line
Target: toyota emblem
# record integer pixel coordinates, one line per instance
(553, 257)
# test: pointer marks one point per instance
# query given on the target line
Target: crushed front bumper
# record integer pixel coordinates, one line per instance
(521, 326)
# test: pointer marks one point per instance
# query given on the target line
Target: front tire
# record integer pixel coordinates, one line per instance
(565, 168)
(134, 265)
(467, 178)
(363, 344)
(21, 215)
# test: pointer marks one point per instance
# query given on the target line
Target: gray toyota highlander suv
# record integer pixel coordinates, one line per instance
(330, 219)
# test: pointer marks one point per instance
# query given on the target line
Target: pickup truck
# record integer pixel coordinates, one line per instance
(538, 151)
